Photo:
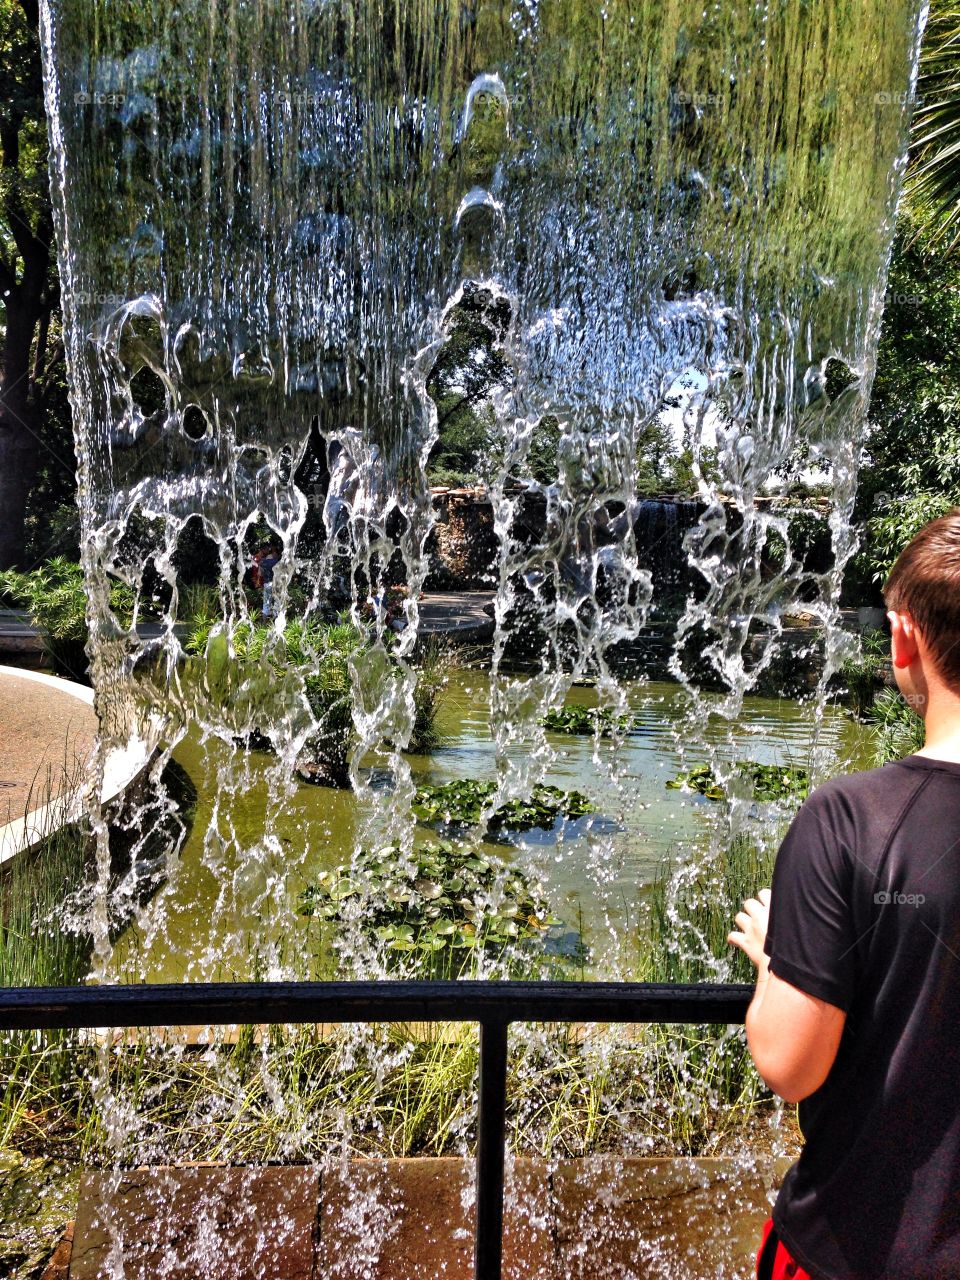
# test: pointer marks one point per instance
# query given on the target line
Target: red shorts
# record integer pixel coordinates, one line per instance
(784, 1267)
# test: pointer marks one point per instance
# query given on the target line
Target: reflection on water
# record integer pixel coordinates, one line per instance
(595, 869)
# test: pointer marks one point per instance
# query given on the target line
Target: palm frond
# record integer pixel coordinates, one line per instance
(933, 176)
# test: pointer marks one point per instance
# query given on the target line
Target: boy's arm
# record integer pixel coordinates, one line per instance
(793, 1036)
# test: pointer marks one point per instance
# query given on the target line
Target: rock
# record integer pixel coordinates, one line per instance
(37, 1200)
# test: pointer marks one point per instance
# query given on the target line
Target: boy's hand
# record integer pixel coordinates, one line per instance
(751, 932)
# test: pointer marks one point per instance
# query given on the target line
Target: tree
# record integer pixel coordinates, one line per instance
(29, 289)
(912, 470)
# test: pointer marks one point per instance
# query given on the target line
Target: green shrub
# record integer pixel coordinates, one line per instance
(55, 595)
(863, 676)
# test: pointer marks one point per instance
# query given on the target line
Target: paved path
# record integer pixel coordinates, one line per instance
(48, 731)
(46, 739)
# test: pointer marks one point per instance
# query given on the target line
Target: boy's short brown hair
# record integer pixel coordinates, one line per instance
(925, 582)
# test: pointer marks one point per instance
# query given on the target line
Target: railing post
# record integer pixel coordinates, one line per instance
(491, 1137)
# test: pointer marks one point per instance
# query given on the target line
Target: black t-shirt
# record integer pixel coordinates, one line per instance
(866, 915)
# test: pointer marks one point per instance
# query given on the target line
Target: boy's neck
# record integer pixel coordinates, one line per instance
(942, 725)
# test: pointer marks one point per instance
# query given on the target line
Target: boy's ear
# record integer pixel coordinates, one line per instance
(903, 639)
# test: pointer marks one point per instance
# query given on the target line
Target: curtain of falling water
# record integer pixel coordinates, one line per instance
(275, 209)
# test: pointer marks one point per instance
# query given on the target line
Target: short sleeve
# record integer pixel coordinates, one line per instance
(811, 938)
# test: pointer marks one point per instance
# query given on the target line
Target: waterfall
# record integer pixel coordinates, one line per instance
(268, 214)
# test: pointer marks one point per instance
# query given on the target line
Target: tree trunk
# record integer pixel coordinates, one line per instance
(18, 466)
(19, 431)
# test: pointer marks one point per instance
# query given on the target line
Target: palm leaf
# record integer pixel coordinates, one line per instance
(933, 176)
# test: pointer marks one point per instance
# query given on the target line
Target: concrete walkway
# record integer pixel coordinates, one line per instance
(47, 737)
(47, 732)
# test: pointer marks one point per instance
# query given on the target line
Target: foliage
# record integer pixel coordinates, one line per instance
(576, 719)
(464, 801)
(911, 473)
(437, 906)
(55, 596)
(704, 1075)
(470, 366)
(35, 440)
(198, 605)
(896, 522)
(933, 178)
(36, 949)
(769, 782)
(896, 728)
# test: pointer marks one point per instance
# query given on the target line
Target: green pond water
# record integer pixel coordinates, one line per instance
(595, 871)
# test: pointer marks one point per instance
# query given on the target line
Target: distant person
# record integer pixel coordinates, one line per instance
(856, 1013)
(266, 561)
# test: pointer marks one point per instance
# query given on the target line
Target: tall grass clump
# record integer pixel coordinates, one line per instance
(896, 729)
(433, 668)
(703, 1074)
(252, 673)
(39, 947)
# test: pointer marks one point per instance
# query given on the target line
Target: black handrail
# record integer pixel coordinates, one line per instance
(494, 1005)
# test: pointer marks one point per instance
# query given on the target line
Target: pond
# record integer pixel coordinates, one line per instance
(595, 871)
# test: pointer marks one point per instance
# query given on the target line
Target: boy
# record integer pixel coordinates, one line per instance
(267, 560)
(856, 1013)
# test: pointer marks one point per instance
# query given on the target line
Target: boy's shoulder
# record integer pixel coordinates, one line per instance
(899, 776)
(869, 794)
(864, 782)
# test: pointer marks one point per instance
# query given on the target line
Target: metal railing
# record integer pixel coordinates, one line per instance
(494, 1005)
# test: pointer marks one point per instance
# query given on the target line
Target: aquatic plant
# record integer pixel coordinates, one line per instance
(773, 782)
(576, 719)
(464, 800)
(436, 906)
(704, 1074)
